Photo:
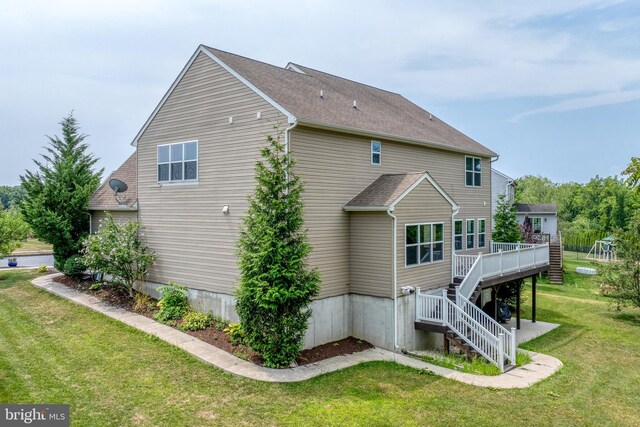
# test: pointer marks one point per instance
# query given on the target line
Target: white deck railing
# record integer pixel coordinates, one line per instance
(473, 326)
(500, 263)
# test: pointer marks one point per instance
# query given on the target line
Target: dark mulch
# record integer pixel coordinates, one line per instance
(119, 297)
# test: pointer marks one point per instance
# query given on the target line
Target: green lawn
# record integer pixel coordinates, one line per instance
(33, 246)
(52, 351)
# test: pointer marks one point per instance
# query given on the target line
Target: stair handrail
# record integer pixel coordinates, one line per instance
(490, 324)
(441, 309)
(479, 338)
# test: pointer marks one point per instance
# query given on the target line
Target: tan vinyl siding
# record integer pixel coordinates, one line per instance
(423, 205)
(195, 242)
(335, 167)
(371, 253)
(121, 217)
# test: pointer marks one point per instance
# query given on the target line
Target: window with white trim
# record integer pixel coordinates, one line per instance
(457, 235)
(471, 234)
(536, 224)
(482, 233)
(376, 152)
(178, 162)
(424, 243)
(473, 171)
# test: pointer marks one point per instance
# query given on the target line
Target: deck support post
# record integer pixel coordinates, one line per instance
(446, 343)
(518, 306)
(494, 299)
(533, 298)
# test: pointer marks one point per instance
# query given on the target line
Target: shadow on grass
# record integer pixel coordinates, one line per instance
(632, 319)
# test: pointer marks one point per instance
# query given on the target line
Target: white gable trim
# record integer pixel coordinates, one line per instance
(508, 178)
(201, 49)
(292, 67)
(290, 117)
(435, 185)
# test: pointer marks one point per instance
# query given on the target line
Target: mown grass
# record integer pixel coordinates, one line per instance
(476, 366)
(33, 246)
(56, 352)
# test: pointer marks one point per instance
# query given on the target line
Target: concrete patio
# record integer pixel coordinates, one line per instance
(528, 329)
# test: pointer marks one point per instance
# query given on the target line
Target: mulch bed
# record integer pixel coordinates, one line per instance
(119, 297)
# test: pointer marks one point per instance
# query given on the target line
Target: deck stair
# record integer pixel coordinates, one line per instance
(555, 263)
(453, 310)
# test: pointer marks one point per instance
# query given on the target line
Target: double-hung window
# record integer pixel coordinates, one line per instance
(424, 243)
(457, 235)
(482, 233)
(376, 152)
(471, 234)
(473, 171)
(178, 162)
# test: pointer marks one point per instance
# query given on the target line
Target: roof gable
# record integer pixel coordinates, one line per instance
(103, 198)
(345, 105)
(389, 189)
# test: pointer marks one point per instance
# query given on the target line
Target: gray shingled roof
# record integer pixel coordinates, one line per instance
(384, 191)
(544, 208)
(378, 111)
(103, 198)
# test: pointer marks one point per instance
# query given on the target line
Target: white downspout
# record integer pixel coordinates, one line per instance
(395, 280)
(287, 132)
(456, 211)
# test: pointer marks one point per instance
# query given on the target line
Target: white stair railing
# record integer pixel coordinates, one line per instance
(441, 309)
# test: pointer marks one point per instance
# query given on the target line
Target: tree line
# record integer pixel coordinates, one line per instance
(597, 208)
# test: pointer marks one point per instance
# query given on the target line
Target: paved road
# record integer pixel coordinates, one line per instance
(30, 261)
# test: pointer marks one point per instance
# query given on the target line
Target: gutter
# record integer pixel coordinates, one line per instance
(395, 279)
(373, 134)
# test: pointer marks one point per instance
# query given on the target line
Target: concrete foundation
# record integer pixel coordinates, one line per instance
(361, 316)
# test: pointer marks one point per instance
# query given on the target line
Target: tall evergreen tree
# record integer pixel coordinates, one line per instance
(57, 194)
(505, 222)
(276, 285)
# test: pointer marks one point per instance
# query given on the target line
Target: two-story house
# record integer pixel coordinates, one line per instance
(392, 193)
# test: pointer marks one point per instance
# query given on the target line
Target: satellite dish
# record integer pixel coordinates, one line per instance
(117, 186)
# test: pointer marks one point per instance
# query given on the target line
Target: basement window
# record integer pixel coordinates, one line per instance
(424, 243)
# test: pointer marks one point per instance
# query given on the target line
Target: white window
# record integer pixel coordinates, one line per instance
(536, 224)
(376, 152)
(178, 162)
(424, 243)
(482, 233)
(457, 235)
(471, 234)
(473, 171)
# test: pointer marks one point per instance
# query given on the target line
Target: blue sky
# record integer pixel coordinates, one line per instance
(553, 87)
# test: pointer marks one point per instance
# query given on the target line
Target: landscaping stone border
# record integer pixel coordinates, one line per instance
(541, 366)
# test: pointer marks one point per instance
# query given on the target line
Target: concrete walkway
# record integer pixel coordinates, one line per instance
(541, 366)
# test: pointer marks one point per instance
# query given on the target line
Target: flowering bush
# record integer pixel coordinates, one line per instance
(117, 250)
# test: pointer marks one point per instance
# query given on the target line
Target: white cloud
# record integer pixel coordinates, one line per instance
(579, 103)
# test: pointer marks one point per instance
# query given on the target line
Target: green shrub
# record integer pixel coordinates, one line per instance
(42, 269)
(236, 333)
(142, 302)
(195, 321)
(74, 266)
(219, 323)
(173, 304)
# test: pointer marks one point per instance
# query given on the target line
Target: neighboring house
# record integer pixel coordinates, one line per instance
(543, 217)
(501, 184)
(392, 193)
